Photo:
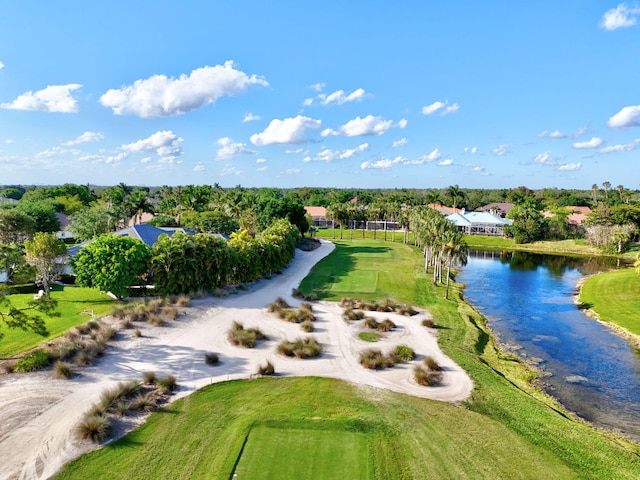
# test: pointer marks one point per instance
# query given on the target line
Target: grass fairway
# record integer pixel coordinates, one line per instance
(320, 454)
(614, 297)
(506, 430)
(71, 302)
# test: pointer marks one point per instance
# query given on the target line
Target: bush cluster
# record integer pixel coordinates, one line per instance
(428, 374)
(385, 326)
(386, 305)
(155, 311)
(302, 315)
(375, 360)
(300, 348)
(267, 369)
(242, 337)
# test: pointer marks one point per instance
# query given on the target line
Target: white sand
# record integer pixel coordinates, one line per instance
(38, 413)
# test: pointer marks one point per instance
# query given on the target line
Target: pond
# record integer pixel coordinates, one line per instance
(528, 300)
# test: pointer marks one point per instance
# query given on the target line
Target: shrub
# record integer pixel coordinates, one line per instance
(386, 325)
(405, 353)
(137, 332)
(121, 407)
(370, 322)
(406, 310)
(300, 348)
(182, 301)
(425, 377)
(211, 359)
(64, 351)
(429, 323)
(242, 337)
(149, 378)
(267, 369)
(170, 313)
(110, 397)
(155, 319)
(63, 369)
(278, 304)
(350, 314)
(94, 428)
(126, 323)
(375, 360)
(36, 360)
(167, 384)
(307, 326)
(82, 359)
(143, 402)
(431, 364)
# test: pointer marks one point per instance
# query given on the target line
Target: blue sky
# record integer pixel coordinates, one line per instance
(415, 94)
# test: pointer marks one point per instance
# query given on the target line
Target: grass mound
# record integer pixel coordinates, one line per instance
(376, 360)
(242, 337)
(301, 348)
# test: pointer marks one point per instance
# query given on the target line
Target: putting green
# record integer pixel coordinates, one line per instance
(285, 453)
(362, 281)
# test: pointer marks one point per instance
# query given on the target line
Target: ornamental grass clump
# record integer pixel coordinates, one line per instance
(405, 353)
(432, 364)
(307, 347)
(307, 326)
(376, 360)
(167, 384)
(349, 314)
(386, 325)
(267, 369)
(94, 427)
(242, 337)
(370, 322)
(425, 377)
(63, 370)
(211, 359)
(279, 304)
(429, 323)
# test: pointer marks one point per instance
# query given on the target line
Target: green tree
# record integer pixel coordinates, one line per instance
(210, 222)
(91, 222)
(528, 223)
(111, 263)
(14, 263)
(43, 214)
(15, 226)
(457, 196)
(42, 253)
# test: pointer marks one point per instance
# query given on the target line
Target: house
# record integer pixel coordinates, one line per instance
(577, 216)
(65, 221)
(444, 210)
(319, 216)
(479, 223)
(500, 209)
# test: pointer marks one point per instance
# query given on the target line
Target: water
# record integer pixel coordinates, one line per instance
(528, 302)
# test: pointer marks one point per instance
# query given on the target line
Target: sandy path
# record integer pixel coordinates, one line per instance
(38, 412)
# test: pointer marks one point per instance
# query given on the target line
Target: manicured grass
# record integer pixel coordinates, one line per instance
(614, 297)
(362, 281)
(571, 246)
(507, 429)
(305, 453)
(71, 302)
(369, 336)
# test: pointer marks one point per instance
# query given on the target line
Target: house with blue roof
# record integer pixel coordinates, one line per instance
(479, 223)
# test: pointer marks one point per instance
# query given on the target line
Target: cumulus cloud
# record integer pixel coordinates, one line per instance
(291, 171)
(261, 160)
(478, 169)
(229, 149)
(54, 98)
(595, 142)
(250, 117)
(622, 16)
(450, 109)
(544, 159)
(199, 168)
(569, 167)
(433, 108)
(399, 143)
(318, 87)
(627, 117)
(328, 155)
(285, 132)
(165, 143)
(471, 150)
(625, 147)
(368, 125)
(430, 157)
(86, 137)
(501, 150)
(445, 163)
(554, 134)
(338, 97)
(161, 96)
(262, 169)
(115, 158)
(383, 164)
(1, 65)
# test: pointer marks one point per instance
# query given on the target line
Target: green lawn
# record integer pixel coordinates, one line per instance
(305, 452)
(71, 302)
(508, 429)
(614, 297)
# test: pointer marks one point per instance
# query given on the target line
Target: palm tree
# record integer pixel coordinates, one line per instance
(433, 198)
(606, 186)
(457, 196)
(595, 189)
(455, 251)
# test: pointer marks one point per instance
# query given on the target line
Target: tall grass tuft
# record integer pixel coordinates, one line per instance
(63, 370)
(211, 359)
(307, 347)
(386, 325)
(94, 428)
(405, 353)
(242, 337)
(376, 360)
(267, 369)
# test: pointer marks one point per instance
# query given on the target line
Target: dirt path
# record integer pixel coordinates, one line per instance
(38, 412)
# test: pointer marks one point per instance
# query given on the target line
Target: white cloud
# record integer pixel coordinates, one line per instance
(501, 150)
(199, 168)
(545, 159)
(307, 102)
(261, 160)
(434, 155)
(569, 167)
(479, 169)
(317, 87)
(86, 137)
(116, 158)
(402, 123)
(446, 163)
(595, 142)
(262, 169)
(8, 140)
(433, 108)
(146, 160)
(627, 117)
(291, 171)
(1, 65)
(450, 109)
(339, 98)
(54, 98)
(285, 132)
(622, 16)
(368, 125)
(471, 150)
(399, 143)
(625, 147)
(164, 143)
(250, 117)
(297, 150)
(229, 148)
(160, 96)
(328, 155)
(384, 164)
(554, 134)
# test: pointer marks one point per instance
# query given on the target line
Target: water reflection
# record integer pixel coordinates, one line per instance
(528, 301)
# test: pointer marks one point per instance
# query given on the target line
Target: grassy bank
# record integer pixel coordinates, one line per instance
(507, 429)
(72, 301)
(613, 296)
